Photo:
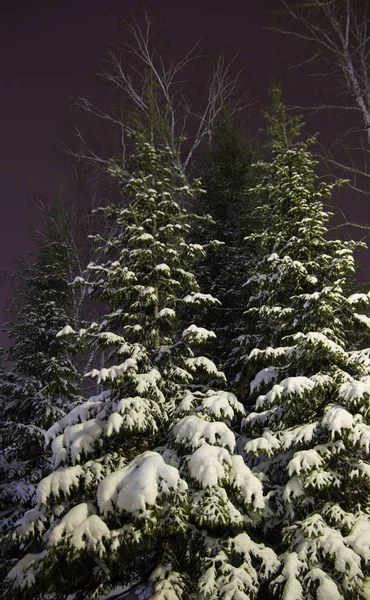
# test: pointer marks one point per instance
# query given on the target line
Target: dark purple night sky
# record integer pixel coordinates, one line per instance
(50, 52)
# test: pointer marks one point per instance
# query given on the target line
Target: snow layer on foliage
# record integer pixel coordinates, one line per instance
(89, 534)
(69, 522)
(81, 438)
(316, 338)
(337, 418)
(333, 544)
(168, 584)
(266, 444)
(197, 335)
(244, 545)
(133, 413)
(23, 573)
(166, 312)
(207, 465)
(193, 432)
(359, 538)
(67, 330)
(138, 485)
(294, 488)
(303, 433)
(360, 434)
(114, 372)
(222, 404)
(296, 386)
(327, 589)
(271, 353)
(292, 588)
(305, 460)
(201, 363)
(247, 483)
(357, 298)
(354, 390)
(111, 338)
(148, 381)
(162, 268)
(263, 377)
(58, 482)
(200, 299)
(79, 414)
(216, 404)
(365, 320)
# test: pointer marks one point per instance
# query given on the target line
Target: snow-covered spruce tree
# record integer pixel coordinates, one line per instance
(227, 174)
(310, 384)
(38, 379)
(148, 490)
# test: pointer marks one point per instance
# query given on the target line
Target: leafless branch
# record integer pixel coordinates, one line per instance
(338, 31)
(157, 91)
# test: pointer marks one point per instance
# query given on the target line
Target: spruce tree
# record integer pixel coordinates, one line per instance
(308, 380)
(227, 174)
(38, 380)
(148, 490)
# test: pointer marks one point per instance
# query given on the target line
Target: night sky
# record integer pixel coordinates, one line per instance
(50, 53)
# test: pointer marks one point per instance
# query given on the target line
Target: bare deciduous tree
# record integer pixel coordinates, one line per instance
(339, 31)
(151, 91)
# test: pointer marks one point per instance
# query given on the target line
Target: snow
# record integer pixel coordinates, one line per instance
(200, 299)
(292, 566)
(216, 404)
(198, 335)
(204, 364)
(270, 353)
(79, 414)
(327, 589)
(360, 434)
(144, 237)
(114, 372)
(247, 483)
(316, 338)
(337, 418)
(358, 298)
(166, 312)
(297, 385)
(111, 338)
(23, 573)
(138, 485)
(359, 538)
(365, 592)
(363, 319)
(147, 291)
(305, 460)
(267, 444)
(263, 377)
(355, 390)
(162, 268)
(294, 488)
(67, 330)
(68, 523)
(57, 483)
(303, 433)
(207, 465)
(82, 437)
(222, 404)
(193, 432)
(134, 413)
(244, 545)
(346, 560)
(90, 534)
(115, 422)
